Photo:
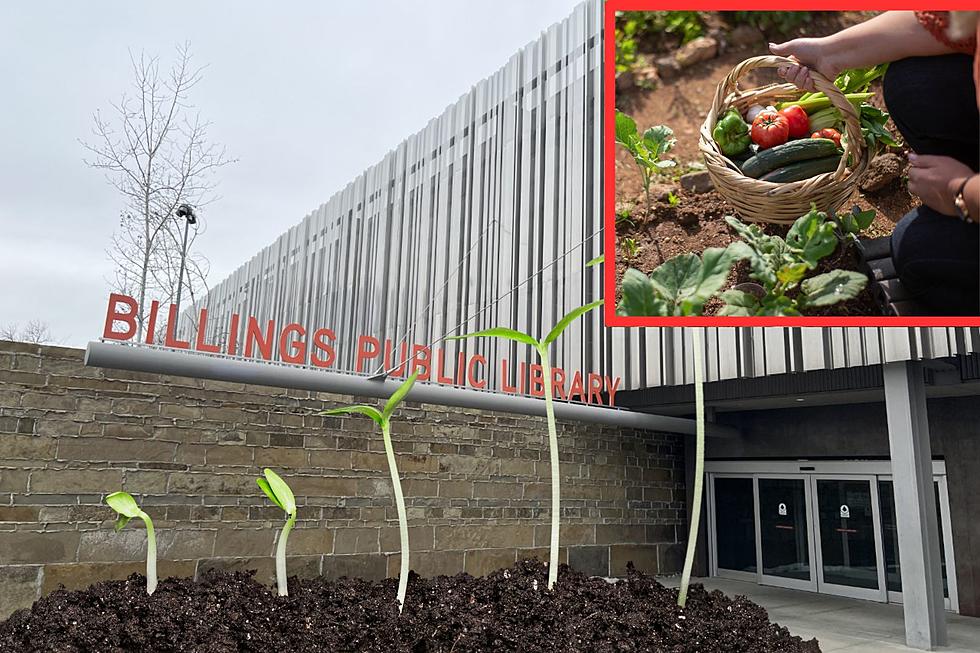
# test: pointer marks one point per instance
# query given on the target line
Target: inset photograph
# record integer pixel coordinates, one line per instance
(818, 166)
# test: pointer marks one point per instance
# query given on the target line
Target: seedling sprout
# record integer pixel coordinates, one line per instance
(276, 489)
(383, 419)
(125, 505)
(542, 348)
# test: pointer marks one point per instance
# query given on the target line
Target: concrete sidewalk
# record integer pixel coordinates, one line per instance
(841, 624)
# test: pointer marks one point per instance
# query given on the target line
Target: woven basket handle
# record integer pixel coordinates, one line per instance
(852, 124)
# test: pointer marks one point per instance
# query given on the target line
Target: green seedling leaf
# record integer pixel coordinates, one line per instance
(570, 317)
(121, 522)
(124, 504)
(790, 275)
(812, 237)
(659, 140)
(626, 133)
(738, 303)
(285, 497)
(370, 411)
(264, 485)
(596, 261)
(500, 332)
(832, 287)
(640, 296)
(398, 395)
(863, 219)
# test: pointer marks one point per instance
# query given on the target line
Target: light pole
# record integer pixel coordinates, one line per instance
(183, 211)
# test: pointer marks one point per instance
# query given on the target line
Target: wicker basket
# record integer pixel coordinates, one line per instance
(765, 201)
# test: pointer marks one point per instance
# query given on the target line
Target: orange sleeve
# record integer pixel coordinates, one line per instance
(936, 23)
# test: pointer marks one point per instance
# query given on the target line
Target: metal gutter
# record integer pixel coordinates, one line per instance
(158, 360)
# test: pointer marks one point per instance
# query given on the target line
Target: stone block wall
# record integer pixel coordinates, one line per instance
(476, 483)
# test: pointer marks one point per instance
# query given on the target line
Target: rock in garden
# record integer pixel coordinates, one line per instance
(667, 67)
(745, 35)
(883, 169)
(698, 50)
(697, 182)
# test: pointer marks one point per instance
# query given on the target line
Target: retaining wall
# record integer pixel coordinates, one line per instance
(476, 483)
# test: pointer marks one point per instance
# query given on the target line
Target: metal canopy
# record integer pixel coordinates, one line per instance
(159, 360)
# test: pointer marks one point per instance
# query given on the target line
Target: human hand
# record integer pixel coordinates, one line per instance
(936, 179)
(810, 54)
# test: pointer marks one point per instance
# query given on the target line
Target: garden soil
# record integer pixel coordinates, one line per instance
(509, 610)
(696, 221)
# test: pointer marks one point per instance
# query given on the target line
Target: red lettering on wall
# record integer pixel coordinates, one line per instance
(254, 338)
(233, 335)
(320, 337)
(595, 388)
(390, 364)
(113, 315)
(422, 361)
(471, 374)
(504, 386)
(202, 326)
(536, 383)
(292, 351)
(611, 386)
(576, 389)
(151, 325)
(170, 339)
(440, 366)
(368, 347)
(558, 382)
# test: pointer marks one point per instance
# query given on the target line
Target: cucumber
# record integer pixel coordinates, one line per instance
(802, 169)
(791, 152)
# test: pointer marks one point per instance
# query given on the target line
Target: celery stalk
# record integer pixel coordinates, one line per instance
(819, 101)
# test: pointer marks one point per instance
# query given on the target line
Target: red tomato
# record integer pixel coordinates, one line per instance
(799, 122)
(769, 130)
(832, 134)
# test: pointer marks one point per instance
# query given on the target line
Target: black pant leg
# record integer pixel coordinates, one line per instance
(938, 260)
(933, 102)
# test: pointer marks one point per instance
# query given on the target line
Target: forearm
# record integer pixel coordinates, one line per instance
(890, 36)
(971, 194)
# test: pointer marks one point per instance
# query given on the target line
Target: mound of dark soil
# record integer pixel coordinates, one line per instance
(509, 610)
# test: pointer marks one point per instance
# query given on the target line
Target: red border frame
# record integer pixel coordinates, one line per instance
(609, 168)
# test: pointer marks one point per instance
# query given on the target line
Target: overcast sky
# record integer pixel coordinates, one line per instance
(305, 95)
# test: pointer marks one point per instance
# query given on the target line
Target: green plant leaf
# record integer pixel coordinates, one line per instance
(121, 522)
(398, 395)
(864, 218)
(640, 296)
(677, 277)
(716, 265)
(739, 303)
(278, 486)
(596, 261)
(124, 504)
(659, 140)
(370, 411)
(570, 317)
(811, 237)
(626, 133)
(264, 485)
(790, 275)
(499, 332)
(832, 287)
(777, 305)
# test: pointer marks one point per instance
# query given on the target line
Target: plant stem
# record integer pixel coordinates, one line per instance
(281, 556)
(692, 537)
(151, 554)
(549, 407)
(402, 517)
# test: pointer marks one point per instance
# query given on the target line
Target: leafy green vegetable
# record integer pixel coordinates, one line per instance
(680, 285)
(647, 149)
(279, 493)
(542, 348)
(874, 128)
(780, 266)
(125, 505)
(383, 419)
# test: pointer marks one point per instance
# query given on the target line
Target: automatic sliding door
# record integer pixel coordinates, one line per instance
(734, 526)
(784, 532)
(849, 549)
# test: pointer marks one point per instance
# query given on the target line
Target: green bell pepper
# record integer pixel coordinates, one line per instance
(732, 134)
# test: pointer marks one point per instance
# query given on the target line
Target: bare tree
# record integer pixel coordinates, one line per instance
(35, 332)
(155, 152)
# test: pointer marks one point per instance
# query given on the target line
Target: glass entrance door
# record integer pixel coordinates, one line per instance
(849, 552)
(784, 532)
